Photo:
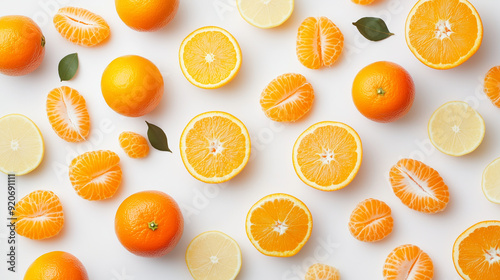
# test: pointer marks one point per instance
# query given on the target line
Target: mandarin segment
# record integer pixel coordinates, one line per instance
(133, 144)
(492, 85)
(320, 271)
(80, 26)
(371, 220)
(408, 262)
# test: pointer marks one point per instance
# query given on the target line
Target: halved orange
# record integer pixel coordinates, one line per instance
(443, 34)
(39, 215)
(96, 175)
(492, 85)
(327, 156)
(133, 144)
(279, 225)
(371, 220)
(81, 27)
(287, 98)
(68, 115)
(408, 262)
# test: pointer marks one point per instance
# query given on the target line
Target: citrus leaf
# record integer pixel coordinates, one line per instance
(68, 66)
(157, 138)
(373, 29)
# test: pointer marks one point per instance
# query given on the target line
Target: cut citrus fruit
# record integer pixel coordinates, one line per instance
(491, 181)
(134, 145)
(279, 225)
(456, 129)
(95, 175)
(443, 34)
(371, 220)
(408, 262)
(39, 215)
(419, 186)
(210, 57)
(476, 252)
(320, 271)
(213, 255)
(363, 2)
(319, 42)
(327, 156)
(81, 27)
(265, 14)
(215, 147)
(492, 85)
(287, 98)
(21, 145)
(68, 115)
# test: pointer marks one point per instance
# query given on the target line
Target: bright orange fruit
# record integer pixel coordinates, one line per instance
(56, 265)
(134, 145)
(146, 15)
(371, 220)
(363, 2)
(95, 175)
(419, 186)
(319, 42)
(81, 27)
(408, 262)
(320, 271)
(39, 215)
(68, 115)
(287, 98)
(492, 85)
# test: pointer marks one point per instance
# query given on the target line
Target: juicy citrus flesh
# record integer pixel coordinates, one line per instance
(21, 145)
(68, 115)
(491, 181)
(363, 2)
(327, 156)
(149, 15)
(319, 42)
(265, 13)
(95, 175)
(371, 220)
(408, 262)
(320, 271)
(492, 85)
(56, 265)
(133, 144)
(456, 129)
(210, 57)
(279, 225)
(213, 255)
(419, 186)
(215, 147)
(81, 27)
(39, 215)
(443, 34)
(287, 98)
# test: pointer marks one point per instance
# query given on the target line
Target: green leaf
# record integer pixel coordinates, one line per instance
(68, 66)
(373, 29)
(157, 138)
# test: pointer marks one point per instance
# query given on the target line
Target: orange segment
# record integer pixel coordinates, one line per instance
(95, 175)
(134, 145)
(39, 215)
(363, 2)
(319, 42)
(492, 85)
(68, 115)
(320, 271)
(81, 27)
(327, 156)
(287, 98)
(371, 220)
(279, 225)
(419, 186)
(476, 252)
(408, 262)
(443, 34)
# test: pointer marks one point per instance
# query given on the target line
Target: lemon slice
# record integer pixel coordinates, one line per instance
(456, 129)
(491, 181)
(21, 145)
(265, 13)
(213, 255)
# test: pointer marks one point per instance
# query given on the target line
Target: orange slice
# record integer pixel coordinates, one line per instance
(287, 98)
(443, 34)
(419, 186)
(81, 27)
(320, 271)
(133, 144)
(279, 225)
(319, 42)
(327, 156)
(371, 220)
(68, 115)
(95, 175)
(492, 85)
(476, 252)
(408, 262)
(363, 2)
(39, 215)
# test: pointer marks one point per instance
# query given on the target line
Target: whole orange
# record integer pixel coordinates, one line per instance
(149, 223)
(56, 265)
(132, 85)
(146, 15)
(383, 91)
(22, 45)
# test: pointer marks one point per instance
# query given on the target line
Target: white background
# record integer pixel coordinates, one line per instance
(89, 228)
